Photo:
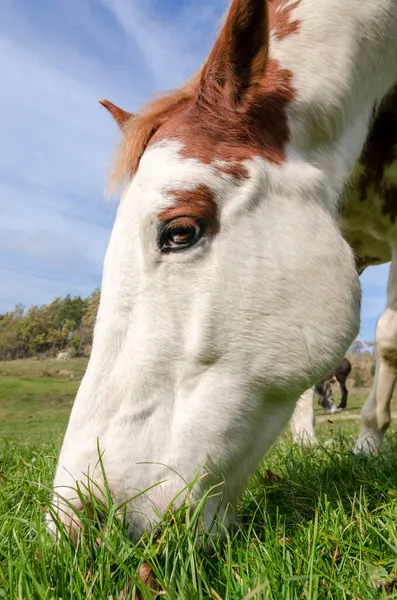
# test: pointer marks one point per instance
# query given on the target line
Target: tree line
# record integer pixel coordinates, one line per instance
(64, 324)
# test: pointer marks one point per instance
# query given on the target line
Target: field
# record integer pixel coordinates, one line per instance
(314, 524)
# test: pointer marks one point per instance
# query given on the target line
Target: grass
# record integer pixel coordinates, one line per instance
(313, 524)
(36, 397)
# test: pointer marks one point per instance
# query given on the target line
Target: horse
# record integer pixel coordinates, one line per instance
(251, 198)
(324, 388)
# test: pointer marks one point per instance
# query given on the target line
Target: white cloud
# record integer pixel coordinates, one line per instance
(169, 46)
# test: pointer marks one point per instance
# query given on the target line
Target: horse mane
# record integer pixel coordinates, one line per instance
(140, 128)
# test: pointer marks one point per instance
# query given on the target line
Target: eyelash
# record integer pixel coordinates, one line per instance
(193, 228)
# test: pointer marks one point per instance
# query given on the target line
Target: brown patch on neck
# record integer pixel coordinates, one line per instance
(379, 153)
(281, 21)
(234, 168)
(362, 262)
(198, 203)
(210, 123)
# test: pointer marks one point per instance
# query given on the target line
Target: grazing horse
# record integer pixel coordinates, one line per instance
(229, 287)
(324, 387)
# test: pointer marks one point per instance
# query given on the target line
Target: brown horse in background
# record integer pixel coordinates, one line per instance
(324, 387)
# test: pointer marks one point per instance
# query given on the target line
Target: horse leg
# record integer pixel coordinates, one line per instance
(343, 391)
(376, 410)
(302, 421)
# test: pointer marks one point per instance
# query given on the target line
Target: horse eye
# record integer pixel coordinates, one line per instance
(179, 234)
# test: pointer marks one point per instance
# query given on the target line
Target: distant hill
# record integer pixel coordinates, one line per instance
(362, 347)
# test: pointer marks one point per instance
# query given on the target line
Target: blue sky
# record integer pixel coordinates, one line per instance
(58, 58)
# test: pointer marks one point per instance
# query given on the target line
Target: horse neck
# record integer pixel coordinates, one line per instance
(343, 57)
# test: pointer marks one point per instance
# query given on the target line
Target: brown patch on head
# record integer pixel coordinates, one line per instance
(139, 131)
(235, 107)
(212, 132)
(379, 153)
(198, 204)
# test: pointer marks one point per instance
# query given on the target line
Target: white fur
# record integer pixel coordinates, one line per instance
(376, 411)
(199, 358)
(303, 420)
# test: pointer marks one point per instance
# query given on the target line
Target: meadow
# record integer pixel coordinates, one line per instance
(318, 523)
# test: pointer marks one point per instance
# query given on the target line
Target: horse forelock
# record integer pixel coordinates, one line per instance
(213, 131)
(140, 128)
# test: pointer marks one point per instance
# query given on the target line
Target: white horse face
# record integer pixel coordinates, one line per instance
(203, 346)
(223, 299)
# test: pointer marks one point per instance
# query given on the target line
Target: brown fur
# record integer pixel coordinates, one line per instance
(368, 207)
(280, 18)
(238, 60)
(119, 115)
(234, 168)
(140, 129)
(215, 131)
(362, 262)
(324, 388)
(234, 107)
(198, 203)
(380, 152)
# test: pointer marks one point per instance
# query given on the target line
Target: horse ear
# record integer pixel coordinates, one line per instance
(119, 115)
(238, 59)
